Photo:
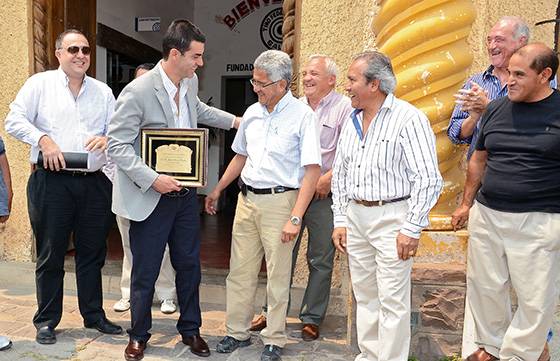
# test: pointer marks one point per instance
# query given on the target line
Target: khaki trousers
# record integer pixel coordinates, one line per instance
(521, 250)
(165, 284)
(380, 281)
(257, 229)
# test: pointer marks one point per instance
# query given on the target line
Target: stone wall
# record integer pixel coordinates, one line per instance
(15, 67)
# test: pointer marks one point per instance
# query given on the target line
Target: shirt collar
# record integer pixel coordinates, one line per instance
(356, 114)
(324, 100)
(489, 72)
(170, 88)
(387, 104)
(63, 78)
(282, 103)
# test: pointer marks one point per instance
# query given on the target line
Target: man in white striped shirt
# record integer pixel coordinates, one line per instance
(385, 181)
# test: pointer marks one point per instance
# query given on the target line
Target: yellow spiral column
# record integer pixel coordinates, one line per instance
(426, 41)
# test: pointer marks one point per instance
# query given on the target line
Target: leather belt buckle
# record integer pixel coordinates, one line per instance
(178, 194)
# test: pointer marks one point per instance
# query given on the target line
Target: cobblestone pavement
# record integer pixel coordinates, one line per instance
(75, 343)
(17, 306)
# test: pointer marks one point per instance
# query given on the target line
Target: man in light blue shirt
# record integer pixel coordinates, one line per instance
(279, 160)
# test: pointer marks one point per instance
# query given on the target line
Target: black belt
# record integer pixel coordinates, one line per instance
(273, 190)
(73, 173)
(178, 194)
(380, 203)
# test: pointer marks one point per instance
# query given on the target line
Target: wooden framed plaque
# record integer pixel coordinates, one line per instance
(179, 153)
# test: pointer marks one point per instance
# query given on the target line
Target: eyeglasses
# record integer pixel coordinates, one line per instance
(86, 50)
(258, 84)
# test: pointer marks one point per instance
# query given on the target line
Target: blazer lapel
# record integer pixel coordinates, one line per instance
(163, 99)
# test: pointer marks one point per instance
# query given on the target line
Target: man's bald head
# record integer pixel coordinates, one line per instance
(530, 70)
(540, 57)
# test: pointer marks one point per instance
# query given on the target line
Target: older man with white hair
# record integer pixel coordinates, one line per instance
(506, 36)
(332, 110)
(279, 160)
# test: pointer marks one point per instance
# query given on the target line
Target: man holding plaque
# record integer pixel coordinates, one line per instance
(59, 113)
(279, 160)
(160, 210)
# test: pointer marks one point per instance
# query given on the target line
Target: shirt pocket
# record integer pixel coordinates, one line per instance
(383, 153)
(328, 137)
(283, 143)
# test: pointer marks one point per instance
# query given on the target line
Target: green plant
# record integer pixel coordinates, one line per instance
(413, 358)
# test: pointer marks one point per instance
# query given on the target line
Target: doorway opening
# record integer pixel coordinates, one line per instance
(237, 96)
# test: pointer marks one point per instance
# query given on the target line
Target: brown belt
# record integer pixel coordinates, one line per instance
(380, 203)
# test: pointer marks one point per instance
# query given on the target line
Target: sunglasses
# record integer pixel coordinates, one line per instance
(86, 50)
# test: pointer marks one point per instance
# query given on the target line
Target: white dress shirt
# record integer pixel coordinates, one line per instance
(181, 113)
(395, 158)
(278, 145)
(45, 105)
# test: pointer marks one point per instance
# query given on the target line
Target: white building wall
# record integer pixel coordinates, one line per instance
(239, 44)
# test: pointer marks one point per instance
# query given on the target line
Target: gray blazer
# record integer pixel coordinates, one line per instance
(144, 103)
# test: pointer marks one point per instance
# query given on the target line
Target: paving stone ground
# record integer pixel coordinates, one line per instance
(75, 343)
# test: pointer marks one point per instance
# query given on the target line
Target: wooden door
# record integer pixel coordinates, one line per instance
(69, 14)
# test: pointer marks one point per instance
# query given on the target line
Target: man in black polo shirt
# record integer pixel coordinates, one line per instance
(514, 223)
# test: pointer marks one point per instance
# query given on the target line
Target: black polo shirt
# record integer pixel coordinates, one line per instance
(523, 144)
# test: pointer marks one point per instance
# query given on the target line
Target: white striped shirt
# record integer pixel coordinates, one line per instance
(395, 158)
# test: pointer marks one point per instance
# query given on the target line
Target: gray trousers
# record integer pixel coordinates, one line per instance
(318, 220)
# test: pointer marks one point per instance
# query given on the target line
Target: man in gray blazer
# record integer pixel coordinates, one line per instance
(160, 210)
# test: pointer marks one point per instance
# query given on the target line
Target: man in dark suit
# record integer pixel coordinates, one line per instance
(160, 210)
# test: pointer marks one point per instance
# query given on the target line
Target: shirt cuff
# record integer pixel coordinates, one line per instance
(233, 122)
(339, 221)
(411, 230)
(36, 136)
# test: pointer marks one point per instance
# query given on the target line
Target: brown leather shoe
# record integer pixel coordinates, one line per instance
(134, 351)
(545, 355)
(309, 332)
(259, 323)
(197, 344)
(481, 355)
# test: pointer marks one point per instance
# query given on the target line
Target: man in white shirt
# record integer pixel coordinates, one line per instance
(279, 160)
(332, 110)
(55, 112)
(385, 181)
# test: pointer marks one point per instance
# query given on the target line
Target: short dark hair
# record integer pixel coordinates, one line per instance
(179, 35)
(60, 37)
(145, 66)
(546, 58)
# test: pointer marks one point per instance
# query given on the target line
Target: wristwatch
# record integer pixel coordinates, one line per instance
(295, 220)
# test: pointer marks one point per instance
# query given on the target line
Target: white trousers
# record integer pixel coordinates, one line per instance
(380, 280)
(165, 284)
(521, 250)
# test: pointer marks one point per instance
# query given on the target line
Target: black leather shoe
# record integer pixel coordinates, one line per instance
(105, 326)
(45, 336)
(134, 351)
(198, 346)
